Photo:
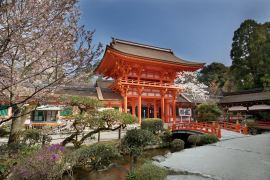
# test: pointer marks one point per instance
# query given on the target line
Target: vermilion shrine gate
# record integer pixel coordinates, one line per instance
(141, 82)
(144, 76)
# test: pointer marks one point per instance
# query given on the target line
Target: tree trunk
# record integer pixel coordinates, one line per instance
(17, 125)
(131, 166)
(98, 136)
(119, 133)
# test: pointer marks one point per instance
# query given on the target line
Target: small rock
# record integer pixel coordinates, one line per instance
(158, 158)
(168, 155)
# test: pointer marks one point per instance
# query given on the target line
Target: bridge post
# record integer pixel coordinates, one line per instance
(245, 129)
(237, 126)
(213, 128)
(219, 132)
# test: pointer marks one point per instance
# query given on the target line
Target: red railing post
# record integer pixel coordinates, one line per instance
(237, 126)
(213, 127)
(219, 132)
(245, 129)
(225, 125)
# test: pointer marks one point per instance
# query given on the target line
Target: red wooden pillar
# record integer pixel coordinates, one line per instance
(133, 108)
(124, 93)
(162, 102)
(140, 104)
(155, 109)
(168, 111)
(140, 109)
(125, 103)
(162, 108)
(148, 110)
(174, 109)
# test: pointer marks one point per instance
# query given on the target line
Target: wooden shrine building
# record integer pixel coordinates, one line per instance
(144, 76)
(255, 102)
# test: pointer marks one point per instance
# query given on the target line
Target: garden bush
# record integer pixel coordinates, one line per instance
(133, 143)
(208, 112)
(194, 139)
(150, 171)
(177, 145)
(34, 136)
(135, 140)
(152, 124)
(96, 156)
(208, 139)
(131, 176)
(252, 126)
(10, 154)
(166, 138)
(3, 132)
(45, 163)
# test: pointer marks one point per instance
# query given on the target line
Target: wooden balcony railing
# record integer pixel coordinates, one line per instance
(149, 84)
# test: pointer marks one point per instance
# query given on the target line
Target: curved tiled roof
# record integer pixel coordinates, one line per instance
(76, 91)
(246, 97)
(106, 92)
(142, 50)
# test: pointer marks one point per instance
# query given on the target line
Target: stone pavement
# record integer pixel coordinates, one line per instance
(245, 158)
(58, 138)
(225, 135)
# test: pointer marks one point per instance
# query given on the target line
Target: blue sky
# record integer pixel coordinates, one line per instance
(198, 30)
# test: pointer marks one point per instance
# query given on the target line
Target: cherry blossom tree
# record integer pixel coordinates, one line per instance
(41, 48)
(191, 86)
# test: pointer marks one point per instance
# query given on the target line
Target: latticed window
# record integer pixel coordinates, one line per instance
(38, 116)
(51, 115)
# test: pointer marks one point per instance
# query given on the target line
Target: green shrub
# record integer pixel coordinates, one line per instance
(208, 139)
(252, 126)
(97, 156)
(177, 145)
(34, 136)
(152, 124)
(194, 139)
(45, 163)
(166, 138)
(3, 132)
(135, 140)
(149, 171)
(12, 154)
(131, 176)
(208, 112)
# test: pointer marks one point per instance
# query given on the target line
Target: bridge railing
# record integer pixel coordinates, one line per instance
(203, 127)
(209, 127)
(263, 124)
(236, 127)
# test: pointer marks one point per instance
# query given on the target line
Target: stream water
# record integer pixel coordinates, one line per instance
(118, 170)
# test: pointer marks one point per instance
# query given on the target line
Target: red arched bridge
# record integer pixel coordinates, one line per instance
(207, 127)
